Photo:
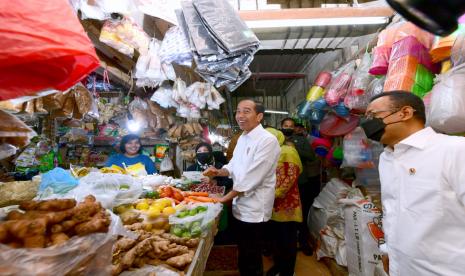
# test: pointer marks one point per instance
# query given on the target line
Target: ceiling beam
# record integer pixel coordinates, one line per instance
(277, 75)
(309, 51)
(313, 13)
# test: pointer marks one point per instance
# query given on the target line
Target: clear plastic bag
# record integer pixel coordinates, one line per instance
(340, 84)
(356, 98)
(446, 110)
(175, 48)
(196, 224)
(357, 150)
(86, 255)
(109, 189)
(458, 50)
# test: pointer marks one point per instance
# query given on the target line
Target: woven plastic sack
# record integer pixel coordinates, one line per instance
(446, 111)
(340, 84)
(380, 65)
(29, 30)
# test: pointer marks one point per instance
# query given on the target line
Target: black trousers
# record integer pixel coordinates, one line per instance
(249, 238)
(309, 189)
(284, 240)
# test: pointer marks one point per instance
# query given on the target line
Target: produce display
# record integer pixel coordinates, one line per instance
(40, 224)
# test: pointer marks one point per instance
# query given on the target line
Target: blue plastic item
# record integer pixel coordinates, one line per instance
(58, 180)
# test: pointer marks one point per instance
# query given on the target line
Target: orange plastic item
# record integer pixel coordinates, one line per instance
(403, 67)
(43, 46)
(442, 48)
(409, 29)
(399, 83)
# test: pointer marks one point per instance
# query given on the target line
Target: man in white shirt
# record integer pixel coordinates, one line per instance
(422, 188)
(253, 170)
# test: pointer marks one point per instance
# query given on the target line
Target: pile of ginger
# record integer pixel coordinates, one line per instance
(45, 223)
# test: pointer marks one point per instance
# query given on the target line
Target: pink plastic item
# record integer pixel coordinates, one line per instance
(380, 63)
(333, 125)
(323, 79)
(410, 46)
(409, 29)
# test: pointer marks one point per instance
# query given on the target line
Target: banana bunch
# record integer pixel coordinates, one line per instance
(113, 169)
(185, 130)
(81, 172)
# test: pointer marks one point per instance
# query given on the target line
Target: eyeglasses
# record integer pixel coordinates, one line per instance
(372, 114)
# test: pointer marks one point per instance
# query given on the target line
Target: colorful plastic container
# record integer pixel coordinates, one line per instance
(315, 93)
(399, 83)
(424, 78)
(381, 56)
(323, 79)
(403, 67)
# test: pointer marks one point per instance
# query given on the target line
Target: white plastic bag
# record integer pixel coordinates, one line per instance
(447, 107)
(109, 189)
(166, 164)
(203, 219)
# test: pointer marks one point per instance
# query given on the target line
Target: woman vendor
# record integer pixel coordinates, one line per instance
(131, 149)
(205, 159)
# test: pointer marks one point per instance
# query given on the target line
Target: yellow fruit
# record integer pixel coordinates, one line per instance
(151, 214)
(142, 206)
(148, 227)
(169, 211)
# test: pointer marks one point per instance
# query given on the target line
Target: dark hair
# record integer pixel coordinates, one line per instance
(203, 144)
(259, 107)
(401, 98)
(299, 125)
(126, 139)
(287, 119)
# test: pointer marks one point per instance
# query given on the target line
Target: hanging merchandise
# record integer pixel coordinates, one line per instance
(340, 84)
(164, 9)
(14, 131)
(333, 125)
(175, 48)
(102, 9)
(26, 63)
(423, 81)
(150, 71)
(359, 84)
(124, 35)
(406, 29)
(321, 146)
(315, 93)
(380, 63)
(164, 96)
(357, 150)
(202, 95)
(458, 50)
(222, 51)
(446, 110)
(323, 79)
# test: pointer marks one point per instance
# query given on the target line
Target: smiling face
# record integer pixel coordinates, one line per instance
(132, 147)
(246, 115)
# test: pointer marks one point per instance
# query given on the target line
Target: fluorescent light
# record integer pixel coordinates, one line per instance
(309, 22)
(133, 126)
(276, 112)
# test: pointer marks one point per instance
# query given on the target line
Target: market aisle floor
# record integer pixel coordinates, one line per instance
(305, 266)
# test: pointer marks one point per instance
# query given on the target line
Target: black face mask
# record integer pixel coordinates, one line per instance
(287, 131)
(204, 157)
(374, 128)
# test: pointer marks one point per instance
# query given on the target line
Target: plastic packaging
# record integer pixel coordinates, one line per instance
(26, 63)
(399, 83)
(409, 29)
(446, 112)
(57, 181)
(175, 48)
(340, 84)
(405, 66)
(357, 150)
(110, 189)
(359, 83)
(194, 225)
(423, 81)
(315, 93)
(86, 255)
(166, 164)
(442, 47)
(333, 125)
(323, 79)
(458, 50)
(381, 56)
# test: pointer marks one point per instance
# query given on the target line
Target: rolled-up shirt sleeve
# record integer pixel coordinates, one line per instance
(265, 160)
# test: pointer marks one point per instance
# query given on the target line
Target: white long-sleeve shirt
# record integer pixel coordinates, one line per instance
(423, 196)
(253, 170)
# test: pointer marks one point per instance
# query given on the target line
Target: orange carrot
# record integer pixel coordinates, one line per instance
(203, 199)
(205, 194)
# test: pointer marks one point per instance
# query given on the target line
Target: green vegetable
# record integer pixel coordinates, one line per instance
(152, 195)
(201, 209)
(183, 214)
(196, 231)
(124, 187)
(186, 235)
(193, 212)
(195, 224)
(177, 231)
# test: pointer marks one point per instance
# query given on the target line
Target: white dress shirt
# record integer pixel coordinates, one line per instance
(253, 170)
(423, 196)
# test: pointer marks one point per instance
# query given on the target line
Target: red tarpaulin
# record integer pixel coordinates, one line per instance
(42, 46)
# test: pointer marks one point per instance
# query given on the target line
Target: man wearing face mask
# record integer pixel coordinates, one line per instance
(309, 179)
(422, 177)
(204, 159)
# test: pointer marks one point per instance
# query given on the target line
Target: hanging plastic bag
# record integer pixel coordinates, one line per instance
(166, 164)
(458, 50)
(27, 65)
(447, 112)
(340, 84)
(357, 150)
(359, 85)
(109, 189)
(175, 48)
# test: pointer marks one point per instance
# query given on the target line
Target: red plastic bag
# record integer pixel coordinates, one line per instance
(43, 46)
(340, 84)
